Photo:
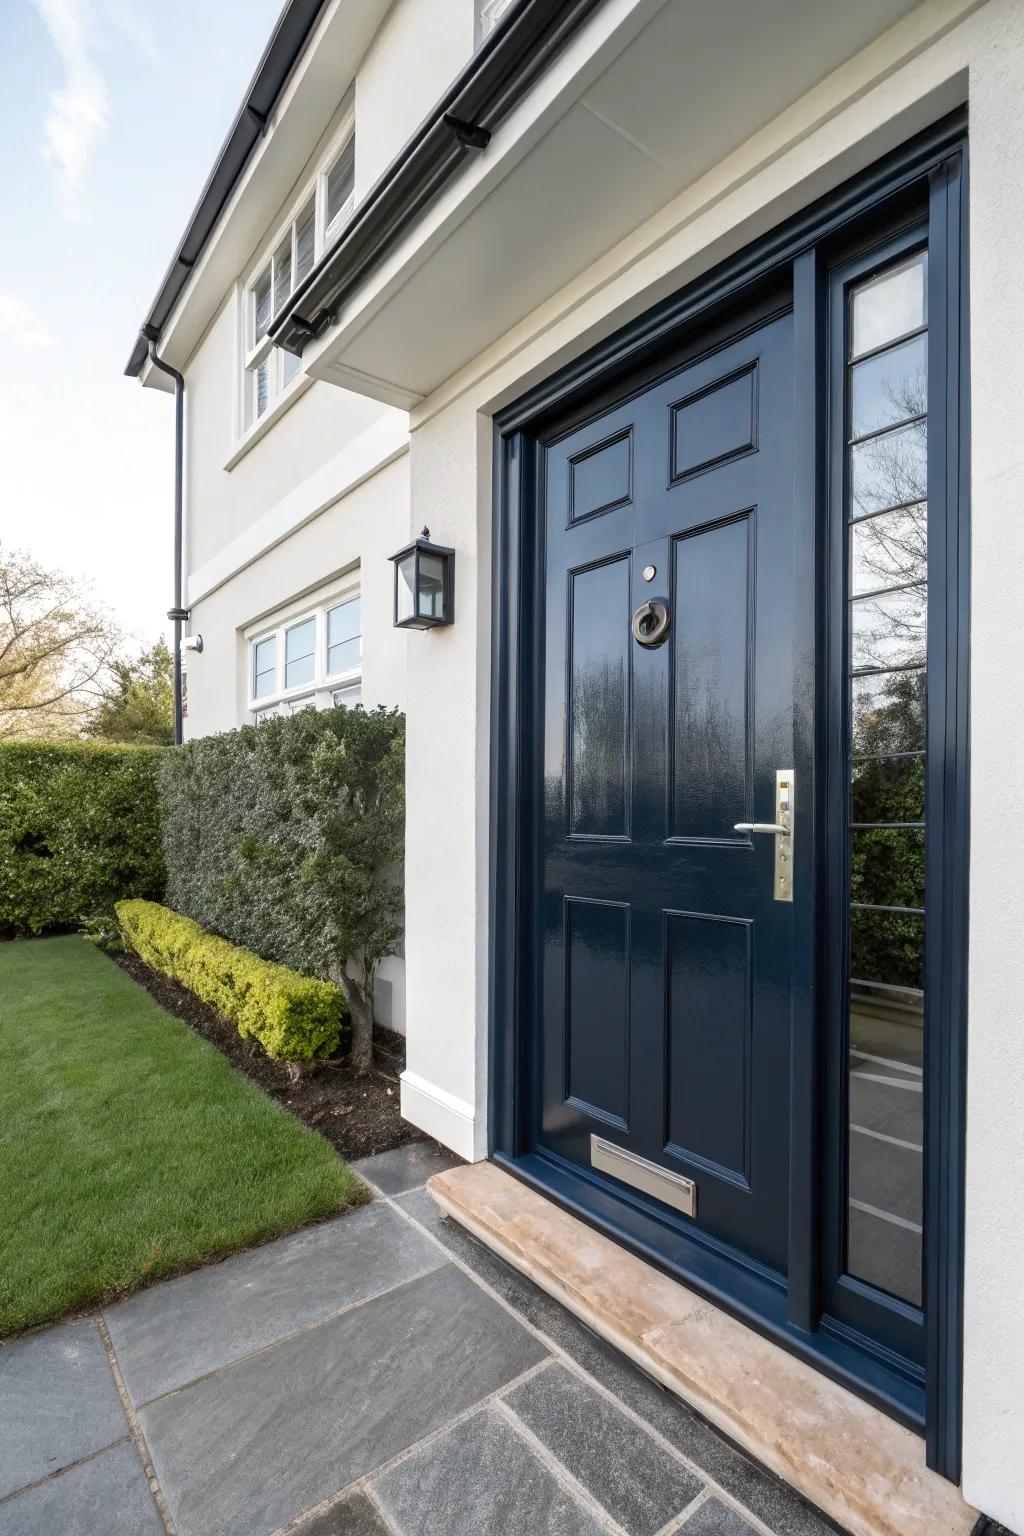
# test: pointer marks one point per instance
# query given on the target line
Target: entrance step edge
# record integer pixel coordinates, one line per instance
(863, 1469)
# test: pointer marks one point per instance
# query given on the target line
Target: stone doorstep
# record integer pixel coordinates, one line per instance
(862, 1468)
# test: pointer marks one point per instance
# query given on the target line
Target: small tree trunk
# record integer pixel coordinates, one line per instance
(360, 1005)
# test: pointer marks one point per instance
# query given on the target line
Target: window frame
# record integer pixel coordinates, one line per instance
(255, 351)
(323, 683)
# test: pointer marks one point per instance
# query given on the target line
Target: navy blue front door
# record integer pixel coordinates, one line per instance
(666, 959)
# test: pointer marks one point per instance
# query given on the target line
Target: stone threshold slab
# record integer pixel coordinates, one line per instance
(863, 1469)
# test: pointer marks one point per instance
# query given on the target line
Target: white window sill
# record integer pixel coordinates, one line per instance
(285, 400)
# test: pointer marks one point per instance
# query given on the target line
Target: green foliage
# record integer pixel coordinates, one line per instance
(887, 864)
(130, 1149)
(293, 1017)
(287, 837)
(137, 705)
(79, 830)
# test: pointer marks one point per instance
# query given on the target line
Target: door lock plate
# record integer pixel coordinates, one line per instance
(784, 786)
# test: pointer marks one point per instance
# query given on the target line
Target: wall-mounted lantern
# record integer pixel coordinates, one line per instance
(424, 584)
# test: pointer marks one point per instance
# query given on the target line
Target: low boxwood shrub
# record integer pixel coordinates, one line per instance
(79, 830)
(293, 1017)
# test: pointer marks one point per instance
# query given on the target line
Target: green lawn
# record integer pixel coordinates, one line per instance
(129, 1147)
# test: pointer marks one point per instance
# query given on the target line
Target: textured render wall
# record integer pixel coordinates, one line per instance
(447, 787)
(220, 502)
(787, 165)
(415, 56)
(994, 1320)
(365, 526)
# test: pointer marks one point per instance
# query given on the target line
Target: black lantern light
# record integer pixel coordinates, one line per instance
(424, 584)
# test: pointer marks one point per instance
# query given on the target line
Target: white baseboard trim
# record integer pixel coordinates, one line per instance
(449, 1120)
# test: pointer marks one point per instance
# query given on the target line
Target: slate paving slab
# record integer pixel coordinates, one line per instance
(761, 1491)
(621, 1465)
(714, 1518)
(58, 1403)
(354, 1516)
(257, 1445)
(107, 1496)
(479, 1477)
(185, 1328)
(407, 1167)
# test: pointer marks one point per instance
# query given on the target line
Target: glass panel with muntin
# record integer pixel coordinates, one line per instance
(887, 568)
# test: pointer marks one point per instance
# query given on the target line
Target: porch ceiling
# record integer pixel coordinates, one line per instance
(689, 87)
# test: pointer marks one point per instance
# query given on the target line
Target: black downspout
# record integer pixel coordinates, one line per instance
(176, 614)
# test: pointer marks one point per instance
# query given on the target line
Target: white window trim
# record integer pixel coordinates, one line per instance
(323, 683)
(490, 14)
(250, 356)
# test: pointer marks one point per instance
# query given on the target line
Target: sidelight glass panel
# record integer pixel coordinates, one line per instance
(888, 629)
(887, 636)
(887, 866)
(889, 387)
(890, 470)
(890, 550)
(888, 713)
(887, 789)
(889, 306)
(887, 949)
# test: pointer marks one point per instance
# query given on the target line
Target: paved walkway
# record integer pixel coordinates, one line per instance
(381, 1373)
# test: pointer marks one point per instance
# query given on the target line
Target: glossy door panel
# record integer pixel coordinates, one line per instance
(666, 960)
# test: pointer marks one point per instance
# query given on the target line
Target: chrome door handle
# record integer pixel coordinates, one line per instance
(782, 831)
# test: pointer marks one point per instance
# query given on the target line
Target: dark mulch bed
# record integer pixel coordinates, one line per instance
(358, 1115)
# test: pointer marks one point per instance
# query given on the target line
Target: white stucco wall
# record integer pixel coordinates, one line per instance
(414, 57)
(222, 501)
(994, 1315)
(869, 106)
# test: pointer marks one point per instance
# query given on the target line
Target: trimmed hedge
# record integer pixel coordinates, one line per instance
(293, 1017)
(79, 830)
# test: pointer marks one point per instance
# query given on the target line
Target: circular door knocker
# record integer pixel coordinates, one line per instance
(650, 623)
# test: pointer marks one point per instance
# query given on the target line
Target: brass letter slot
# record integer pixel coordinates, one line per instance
(671, 1188)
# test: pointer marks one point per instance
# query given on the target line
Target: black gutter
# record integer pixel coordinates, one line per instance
(176, 614)
(500, 73)
(287, 42)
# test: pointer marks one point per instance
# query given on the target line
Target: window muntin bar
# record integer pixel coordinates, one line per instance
(887, 436)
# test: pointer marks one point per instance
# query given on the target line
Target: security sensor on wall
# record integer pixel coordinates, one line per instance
(193, 643)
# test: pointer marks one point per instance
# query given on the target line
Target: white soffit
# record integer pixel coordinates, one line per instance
(695, 83)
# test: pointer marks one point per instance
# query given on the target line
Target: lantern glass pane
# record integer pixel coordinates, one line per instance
(431, 587)
(405, 598)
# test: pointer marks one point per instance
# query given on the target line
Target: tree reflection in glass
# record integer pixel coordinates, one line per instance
(887, 592)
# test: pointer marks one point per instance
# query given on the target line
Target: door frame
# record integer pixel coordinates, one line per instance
(927, 175)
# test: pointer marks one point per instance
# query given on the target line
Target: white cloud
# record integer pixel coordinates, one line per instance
(79, 107)
(20, 324)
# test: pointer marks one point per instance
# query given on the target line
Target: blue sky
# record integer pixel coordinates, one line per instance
(113, 112)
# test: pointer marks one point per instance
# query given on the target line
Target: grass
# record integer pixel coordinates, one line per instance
(130, 1148)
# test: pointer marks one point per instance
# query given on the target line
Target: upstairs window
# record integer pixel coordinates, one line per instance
(267, 368)
(321, 214)
(340, 190)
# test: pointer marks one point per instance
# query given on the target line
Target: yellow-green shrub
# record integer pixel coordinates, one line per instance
(293, 1017)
